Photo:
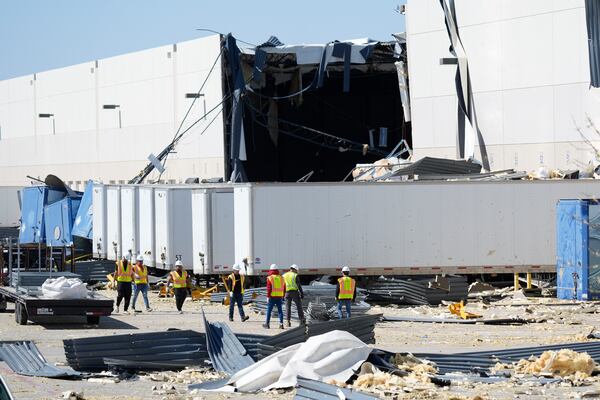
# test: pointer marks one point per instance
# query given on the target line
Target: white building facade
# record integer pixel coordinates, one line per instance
(100, 120)
(530, 76)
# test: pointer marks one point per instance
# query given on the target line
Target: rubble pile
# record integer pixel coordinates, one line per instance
(563, 363)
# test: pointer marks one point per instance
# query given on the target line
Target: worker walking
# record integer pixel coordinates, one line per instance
(293, 293)
(236, 293)
(275, 291)
(140, 278)
(124, 276)
(345, 292)
(181, 282)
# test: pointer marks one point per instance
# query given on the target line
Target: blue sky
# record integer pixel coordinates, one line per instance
(37, 35)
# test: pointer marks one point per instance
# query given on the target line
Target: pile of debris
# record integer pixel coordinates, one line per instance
(417, 291)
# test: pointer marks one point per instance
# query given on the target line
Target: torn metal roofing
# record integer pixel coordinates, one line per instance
(435, 166)
(484, 360)
(24, 358)
(311, 389)
(225, 350)
(169, 348)
(418, 291)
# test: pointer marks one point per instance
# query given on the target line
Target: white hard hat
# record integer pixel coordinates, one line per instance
(345, 268)
(273, 267)
(294, 266)
(140, 258)
(236, 267)
(178, 263)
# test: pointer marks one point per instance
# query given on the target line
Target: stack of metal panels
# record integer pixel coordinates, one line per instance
(24, 358)
(36, 279)
(314, 294)
(225, 350)
(152, 351)
(416, 291)
(362, 327)
(249, 294)
(94, 271)
(484, 360)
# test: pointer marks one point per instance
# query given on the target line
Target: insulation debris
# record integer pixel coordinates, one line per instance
(564, 363)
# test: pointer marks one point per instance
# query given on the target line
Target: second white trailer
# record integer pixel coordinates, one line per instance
(403, 228)
(129, 221)
(99, 241)
(173, 227)
(213, 233)
(113, 222)
(146, 234)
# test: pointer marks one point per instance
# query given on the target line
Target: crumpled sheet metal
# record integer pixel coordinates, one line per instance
(24, 358)
(335, 355)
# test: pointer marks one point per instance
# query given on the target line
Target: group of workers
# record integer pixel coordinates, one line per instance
(126, 275)
(288, 287)
(134, 279)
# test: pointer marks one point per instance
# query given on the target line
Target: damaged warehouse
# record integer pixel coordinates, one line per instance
(315, 111)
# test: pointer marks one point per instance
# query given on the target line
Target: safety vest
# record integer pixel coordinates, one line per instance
(290, 281)
(124, 274)
(276, 285)
(234, 280)
(179, 281)
(142, 273)
(347, 285)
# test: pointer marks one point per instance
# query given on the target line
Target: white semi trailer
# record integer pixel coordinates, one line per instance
(403, 228)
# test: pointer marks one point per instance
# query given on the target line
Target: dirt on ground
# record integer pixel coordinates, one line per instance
(553, 322)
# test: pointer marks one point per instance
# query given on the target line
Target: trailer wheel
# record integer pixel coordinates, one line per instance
(2, 304)
(93, 319)
(20, 314)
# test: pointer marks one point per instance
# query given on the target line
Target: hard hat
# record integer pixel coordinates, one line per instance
(294, 266)
(273, 267)
(345, 269)
(178, 263)
(236, 267)
(140, 258)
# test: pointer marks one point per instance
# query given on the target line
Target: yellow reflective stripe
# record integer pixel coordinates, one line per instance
(290, 281)
(123, 274)
(143, 274)
(276, 286)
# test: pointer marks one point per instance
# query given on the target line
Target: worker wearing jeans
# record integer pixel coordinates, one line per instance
(345, 293)
(275, 291)
(140, 278)
(236, 293)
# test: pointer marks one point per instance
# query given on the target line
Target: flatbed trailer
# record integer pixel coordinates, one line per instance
(30, 307)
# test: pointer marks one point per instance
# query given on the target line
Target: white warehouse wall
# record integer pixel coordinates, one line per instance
(529, 70)
(149, 86)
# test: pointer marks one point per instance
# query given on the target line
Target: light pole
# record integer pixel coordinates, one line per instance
(53, 123)
(114, 107)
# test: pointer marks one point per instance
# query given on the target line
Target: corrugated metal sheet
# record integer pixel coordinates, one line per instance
(36, 279)
(483, 360)
(94, 271)
(592, 16)
(310, 389)
(434, 320)
(435, 166)
(182, 348)
(9, 233)
(416, 291)
(24, 358)
(225, 350)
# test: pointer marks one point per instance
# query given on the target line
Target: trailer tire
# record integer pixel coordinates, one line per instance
(93, 319)
(20, 314)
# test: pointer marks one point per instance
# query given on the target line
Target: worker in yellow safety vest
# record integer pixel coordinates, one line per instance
(181, 283)
(236, 293)
(124, 276)
(140, 278)
(345, 292)
(275, 292)
(293, 293)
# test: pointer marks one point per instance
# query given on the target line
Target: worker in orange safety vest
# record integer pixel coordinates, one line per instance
(275, 292)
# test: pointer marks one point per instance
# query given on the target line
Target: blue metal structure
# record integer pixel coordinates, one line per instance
(82, 226)
(34, 199)
(578, 249)
(59, 219)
